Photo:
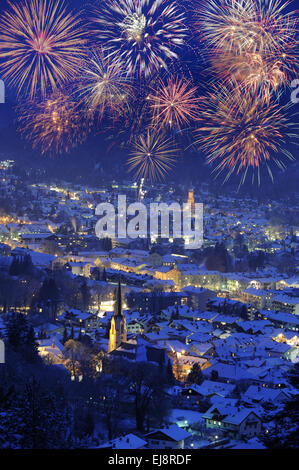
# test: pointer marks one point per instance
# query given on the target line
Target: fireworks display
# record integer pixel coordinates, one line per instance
(153, 156)
(123, 71)
(145, 34)
(54, 125)
(247, 25)
(240, 132)
(252, 41)
(174, 104)
(41, 44)
(105, 86)
(252, 72)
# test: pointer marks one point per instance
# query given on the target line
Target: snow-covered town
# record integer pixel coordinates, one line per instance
(146, 344)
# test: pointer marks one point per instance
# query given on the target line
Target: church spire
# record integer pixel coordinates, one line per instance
(118, 310)
(118, 330)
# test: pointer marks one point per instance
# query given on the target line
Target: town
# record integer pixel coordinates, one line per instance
(145, 343)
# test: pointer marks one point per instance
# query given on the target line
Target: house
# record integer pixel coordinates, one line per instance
(226, 321)
(171, 437)
(130, 441)
(287, 337)
(202, 349)
(58, 263)
(155, 260)
(166, 273)
(77, 319)
(135, 327)
(258, 298)
(286, 303)
(182, 365)
(197, 297)
(284, 320)
(52, 349)
(256, 394)
(226, 373)
(210, 388)
(238, 423)
(80, 268)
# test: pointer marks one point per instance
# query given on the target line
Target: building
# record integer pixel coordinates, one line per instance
(258, 394)
(284, 320)
(171, 437)
(130, 441)
(286, 303)
(118, 330)
(258, 298)
(191, 198)
(77, 319)
(238, 423)
(182, 364)
(80, 268)
(197, 297)
(153, 302)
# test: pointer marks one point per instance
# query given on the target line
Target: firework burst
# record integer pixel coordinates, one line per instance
(174, 103)
(241, 132)
(144, 34)
(223, 24)
(254, 73)
(153, 156)
(105, 86)
(252, 41)
(55, 125)
(41, 44)
(247, 25)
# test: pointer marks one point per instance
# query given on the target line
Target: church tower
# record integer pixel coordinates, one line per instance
(118, 330)
(191, 198)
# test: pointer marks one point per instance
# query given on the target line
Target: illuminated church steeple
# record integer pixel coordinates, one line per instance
(118, 330)
(191, 198)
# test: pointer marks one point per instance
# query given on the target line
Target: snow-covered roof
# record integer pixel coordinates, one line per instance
(173, 432)
(130, 441)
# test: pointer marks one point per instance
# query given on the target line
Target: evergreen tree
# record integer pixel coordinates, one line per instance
(43, 417)
(27, 265)
(169, 373)
(21, 337)
(48, 291)
(284, 433)
(195, 376)
(16, 330)
(79, 335)
(48, 297)
(65, 336)
(85, 296)
(31, 346)
(14, 268)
